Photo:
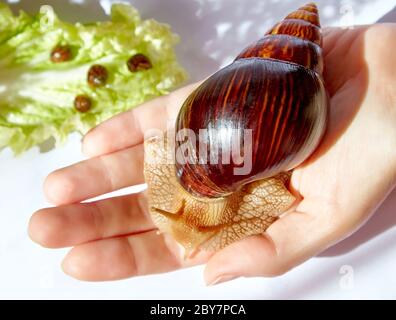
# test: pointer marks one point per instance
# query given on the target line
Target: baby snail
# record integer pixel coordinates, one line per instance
(61, 54)
(224, 174)
(97, 76)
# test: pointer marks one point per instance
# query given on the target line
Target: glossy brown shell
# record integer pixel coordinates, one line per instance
(275, 89)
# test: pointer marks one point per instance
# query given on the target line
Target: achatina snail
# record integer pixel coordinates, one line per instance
(274, 88)
(97, 74)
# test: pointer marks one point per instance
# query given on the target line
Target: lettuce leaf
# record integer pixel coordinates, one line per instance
(37, 95)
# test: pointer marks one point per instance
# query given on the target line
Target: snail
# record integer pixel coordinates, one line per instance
(271, 106)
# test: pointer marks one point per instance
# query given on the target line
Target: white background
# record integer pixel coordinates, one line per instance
(212, 32)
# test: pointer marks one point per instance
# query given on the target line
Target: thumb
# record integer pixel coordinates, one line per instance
(253, 256)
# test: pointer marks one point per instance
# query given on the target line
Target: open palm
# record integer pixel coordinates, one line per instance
(339, 186)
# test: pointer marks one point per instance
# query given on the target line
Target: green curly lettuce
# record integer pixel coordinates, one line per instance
(37, 95)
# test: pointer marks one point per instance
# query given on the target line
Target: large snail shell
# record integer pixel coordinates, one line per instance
(275, 89)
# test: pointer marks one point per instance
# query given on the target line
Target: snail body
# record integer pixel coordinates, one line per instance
(273, 90)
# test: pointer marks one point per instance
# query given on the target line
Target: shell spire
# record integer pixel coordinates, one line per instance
(311, 7)
(297, 38)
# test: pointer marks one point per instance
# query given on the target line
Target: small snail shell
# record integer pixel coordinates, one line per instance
(274, 89)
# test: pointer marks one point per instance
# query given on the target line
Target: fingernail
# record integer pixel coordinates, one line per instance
(221, 279)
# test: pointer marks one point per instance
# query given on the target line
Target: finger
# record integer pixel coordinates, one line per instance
(288, 242)
(127, 129)
(118, 258)
(95, 176)
(74, 224)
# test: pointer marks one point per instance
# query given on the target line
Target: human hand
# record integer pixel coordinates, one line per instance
(339, 187)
